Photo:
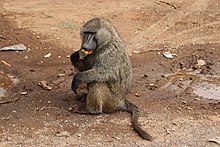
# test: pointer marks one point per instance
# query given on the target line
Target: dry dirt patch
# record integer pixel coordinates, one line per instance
(170, 109)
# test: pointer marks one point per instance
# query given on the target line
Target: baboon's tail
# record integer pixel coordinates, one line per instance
(131, 108)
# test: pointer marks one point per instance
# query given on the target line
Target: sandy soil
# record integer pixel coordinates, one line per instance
(178, 98)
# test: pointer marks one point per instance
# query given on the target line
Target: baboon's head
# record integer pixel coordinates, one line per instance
(95, 34)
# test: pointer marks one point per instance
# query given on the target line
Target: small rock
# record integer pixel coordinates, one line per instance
(168, 131)
(44, 85)
(47, 55)
(136, 52)
(63, 134)
(197, 99)
(174, 123)
(137, 95)
(168, 55)
(173, 129)
(152, 86)
(79, 136)
(116, 138)
(32, 70)
(42, 108)
(61, 75)
(23, 93)
(184, 102)
(18, 47)
(199, 64)
(166, 75)
(189, 108)
(145, 75)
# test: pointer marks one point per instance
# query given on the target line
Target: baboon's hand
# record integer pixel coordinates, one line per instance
(77, 62)
(75, 83)
(75, 57)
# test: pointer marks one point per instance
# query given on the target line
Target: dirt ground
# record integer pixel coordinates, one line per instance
(178, 98)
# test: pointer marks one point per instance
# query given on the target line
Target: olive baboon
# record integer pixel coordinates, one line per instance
(106, 68)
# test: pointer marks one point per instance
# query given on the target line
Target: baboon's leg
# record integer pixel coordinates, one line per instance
(94, 99)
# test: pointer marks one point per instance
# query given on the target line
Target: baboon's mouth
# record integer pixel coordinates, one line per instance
(87, 51)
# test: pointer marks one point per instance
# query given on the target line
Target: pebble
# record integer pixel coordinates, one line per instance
(63, 134)
(47, 55)
(136, 52)
(168, 55)
(184, 102)
(23, 93)
(61, 75)
(137, 95)
(199, 64)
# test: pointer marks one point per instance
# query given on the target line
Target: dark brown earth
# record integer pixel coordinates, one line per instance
(164, 89)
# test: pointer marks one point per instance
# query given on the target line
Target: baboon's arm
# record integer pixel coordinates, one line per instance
(93, 75)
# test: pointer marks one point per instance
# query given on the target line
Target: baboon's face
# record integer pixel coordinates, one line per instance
(89, 43)
(95, 34)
